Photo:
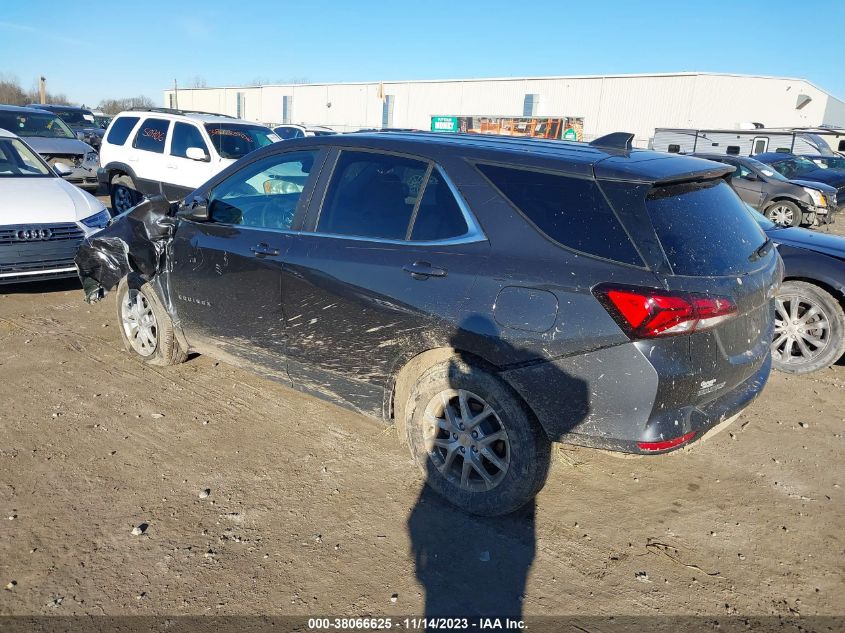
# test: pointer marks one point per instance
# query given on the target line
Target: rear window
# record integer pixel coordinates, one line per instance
(569, 211)
(704, 228)
(121, 129)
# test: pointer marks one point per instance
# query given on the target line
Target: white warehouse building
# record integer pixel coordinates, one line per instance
(601, 104)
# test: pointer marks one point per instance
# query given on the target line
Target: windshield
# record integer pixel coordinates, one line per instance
(795, 166)
(102, 121)
(829, 162)
(35, 124)
(77, 118)
(765, 169)
(234, 140)
(18, 161)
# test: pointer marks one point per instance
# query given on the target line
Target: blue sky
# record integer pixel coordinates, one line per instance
(96, 50)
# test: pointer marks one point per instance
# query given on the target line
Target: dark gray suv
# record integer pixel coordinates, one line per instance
(486, 295)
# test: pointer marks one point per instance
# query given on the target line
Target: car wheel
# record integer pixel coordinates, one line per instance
(145, 326)
(809, 328)
(478, 445)
(124, 195)
(784, 213)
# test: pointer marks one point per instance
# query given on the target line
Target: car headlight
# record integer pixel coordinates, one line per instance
(98, 220)
(817, 196)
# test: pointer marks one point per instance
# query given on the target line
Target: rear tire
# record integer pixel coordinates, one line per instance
(123, 193)
(785, 213)
(809, 329)
(145, 326)
(478, 445)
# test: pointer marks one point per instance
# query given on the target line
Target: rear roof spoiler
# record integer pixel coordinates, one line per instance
(615, 140)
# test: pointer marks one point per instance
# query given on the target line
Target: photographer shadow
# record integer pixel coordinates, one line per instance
(477, 566)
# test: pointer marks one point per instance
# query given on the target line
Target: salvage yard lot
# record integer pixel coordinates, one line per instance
(317, 510)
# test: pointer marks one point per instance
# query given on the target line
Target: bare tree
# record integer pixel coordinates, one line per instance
(113, 106)
(12, 93)
(198, 82)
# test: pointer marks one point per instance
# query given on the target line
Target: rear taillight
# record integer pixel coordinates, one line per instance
(665, 445)
(649, 313)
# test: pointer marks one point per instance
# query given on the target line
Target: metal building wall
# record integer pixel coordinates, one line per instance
(634, 103)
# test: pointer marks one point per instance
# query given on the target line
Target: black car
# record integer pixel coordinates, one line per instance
(809, 320)
(793, 167)
(486, 295)
(80, 120)
(784, 202)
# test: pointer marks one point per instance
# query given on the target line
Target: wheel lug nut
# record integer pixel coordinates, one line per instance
(461, 426)
(454, 436)
(475, 434)
(463, 450)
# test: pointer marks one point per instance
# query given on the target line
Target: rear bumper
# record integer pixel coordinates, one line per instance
(613, 398)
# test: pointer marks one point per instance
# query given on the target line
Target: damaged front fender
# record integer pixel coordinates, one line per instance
(134, 242)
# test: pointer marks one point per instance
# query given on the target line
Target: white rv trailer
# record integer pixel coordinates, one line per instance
(743, 142)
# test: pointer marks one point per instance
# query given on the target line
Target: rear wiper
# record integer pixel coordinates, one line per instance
(761, 251)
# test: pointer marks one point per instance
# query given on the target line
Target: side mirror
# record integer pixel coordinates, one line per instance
(195, 153)
(751, 176)
(62, 170)
(195, 209)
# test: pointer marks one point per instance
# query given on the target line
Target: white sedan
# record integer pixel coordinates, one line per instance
(43, 218)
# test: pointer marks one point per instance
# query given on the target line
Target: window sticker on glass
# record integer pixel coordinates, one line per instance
(767, 172)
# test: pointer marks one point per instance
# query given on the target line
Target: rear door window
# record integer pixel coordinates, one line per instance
(120, 129)
(704, 228)
(570, 211)
(372, 195)
(152, 135)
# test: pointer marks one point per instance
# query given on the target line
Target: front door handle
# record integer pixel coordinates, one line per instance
(264, 249)
(423, 270)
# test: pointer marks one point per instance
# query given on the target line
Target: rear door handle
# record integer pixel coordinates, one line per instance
(423, 270)
(264, 249)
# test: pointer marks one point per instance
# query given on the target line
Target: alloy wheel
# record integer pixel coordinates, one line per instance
(802, 329)
(781, 215)
(139, 322)
(466, 440)
(122, 199)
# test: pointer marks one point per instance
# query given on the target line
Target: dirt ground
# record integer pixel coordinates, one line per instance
(316, 510)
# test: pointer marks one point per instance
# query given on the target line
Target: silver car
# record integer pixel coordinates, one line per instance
(48, 135)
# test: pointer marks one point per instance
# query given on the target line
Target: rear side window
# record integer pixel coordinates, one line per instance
(569, 211)
(151, 135)
(704, 228)
(372, 195)
(120, 129)
(438, 216)
(186, 135)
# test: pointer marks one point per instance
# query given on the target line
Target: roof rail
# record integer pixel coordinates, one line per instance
(614, 140)
(175, 111)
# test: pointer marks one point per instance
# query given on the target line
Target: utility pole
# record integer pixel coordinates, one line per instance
(42, 90)
(175, 95)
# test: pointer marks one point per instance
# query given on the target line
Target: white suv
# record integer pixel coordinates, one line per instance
(171, 152)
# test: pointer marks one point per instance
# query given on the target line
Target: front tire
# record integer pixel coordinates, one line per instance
(478, 445)
(145, 326)
(784, 213)
(809, 328)
(123, 193)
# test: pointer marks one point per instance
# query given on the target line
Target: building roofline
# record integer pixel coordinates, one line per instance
(479, 79)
